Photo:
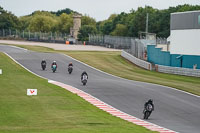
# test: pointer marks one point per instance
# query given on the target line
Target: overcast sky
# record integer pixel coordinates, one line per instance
(98, 9)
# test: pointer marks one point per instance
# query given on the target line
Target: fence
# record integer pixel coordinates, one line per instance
(137, 49)
(138, 62)
(161, 41)
(178, 70)
(110, 41)
(129, 44)
(33, 36)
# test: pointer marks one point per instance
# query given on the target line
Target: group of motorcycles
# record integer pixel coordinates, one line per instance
(148, 107)
(84, 76)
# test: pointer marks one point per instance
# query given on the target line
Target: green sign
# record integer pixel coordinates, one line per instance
(199, 19)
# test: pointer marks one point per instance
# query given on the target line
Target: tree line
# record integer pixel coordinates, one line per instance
(123, 24)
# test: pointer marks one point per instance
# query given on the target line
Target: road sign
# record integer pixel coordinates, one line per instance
(31, 92)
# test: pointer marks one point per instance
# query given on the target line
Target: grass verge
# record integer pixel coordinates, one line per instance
(54, 110)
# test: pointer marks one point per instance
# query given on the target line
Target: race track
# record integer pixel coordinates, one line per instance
(174, 109)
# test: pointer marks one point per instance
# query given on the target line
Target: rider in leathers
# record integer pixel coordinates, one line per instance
(150, 101)
(84, 73)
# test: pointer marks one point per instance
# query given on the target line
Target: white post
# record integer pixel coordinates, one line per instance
(0, 71)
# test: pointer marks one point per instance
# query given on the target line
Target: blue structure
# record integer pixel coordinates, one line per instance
(156, 56)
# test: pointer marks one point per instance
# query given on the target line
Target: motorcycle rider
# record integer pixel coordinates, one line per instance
(70, 64)
(84, 73)
(43, 62)
(150, 101)
(70, 67)
(54, 63)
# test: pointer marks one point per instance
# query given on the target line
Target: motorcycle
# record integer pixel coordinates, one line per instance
(54, 68)
(43, 66)
(84, 79)
(147, 111)
(70, 69)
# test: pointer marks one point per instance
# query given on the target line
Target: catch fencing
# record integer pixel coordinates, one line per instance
(33, 36)
(110, 41)
(178, 70)
(131, 45)
(138, 62)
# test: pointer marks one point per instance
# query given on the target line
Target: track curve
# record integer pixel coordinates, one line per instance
(175, 110)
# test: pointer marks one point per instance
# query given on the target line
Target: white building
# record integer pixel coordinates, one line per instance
(185, 33)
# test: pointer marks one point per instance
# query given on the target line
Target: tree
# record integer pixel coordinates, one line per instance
(120, 30)
(66, 10)
(107, 27)
(112, 17)
(84, 32)
(25, 22)
(41, 23)
(86, 20)
(65, 22)
(8, 20)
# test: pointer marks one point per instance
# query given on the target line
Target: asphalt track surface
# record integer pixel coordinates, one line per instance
(174, 109)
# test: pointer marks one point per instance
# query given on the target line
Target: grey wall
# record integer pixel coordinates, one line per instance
(185, 20)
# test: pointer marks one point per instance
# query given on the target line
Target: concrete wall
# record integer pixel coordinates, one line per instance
(178, 71)
(189, 61)
(136, 61)
(156, 56)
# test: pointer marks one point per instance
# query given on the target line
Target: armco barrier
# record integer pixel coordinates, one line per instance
(178, 71)
(138, 62)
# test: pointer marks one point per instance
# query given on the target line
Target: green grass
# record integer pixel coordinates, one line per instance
(54, 110)
(113, 63)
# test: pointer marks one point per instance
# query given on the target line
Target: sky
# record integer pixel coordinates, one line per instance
(97, 9)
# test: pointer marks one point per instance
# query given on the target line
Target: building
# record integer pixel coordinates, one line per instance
(76, 26)
(185, 33)
(184, 42)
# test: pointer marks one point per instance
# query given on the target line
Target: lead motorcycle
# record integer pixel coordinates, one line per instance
(84, 79)
(147, 111)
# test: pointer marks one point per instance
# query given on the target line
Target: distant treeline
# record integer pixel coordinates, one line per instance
(124, 24)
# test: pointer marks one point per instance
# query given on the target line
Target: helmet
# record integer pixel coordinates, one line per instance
(54, 61)
(150, 101)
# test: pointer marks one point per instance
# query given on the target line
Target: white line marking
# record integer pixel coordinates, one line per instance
(23, 66)
(17, 47)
